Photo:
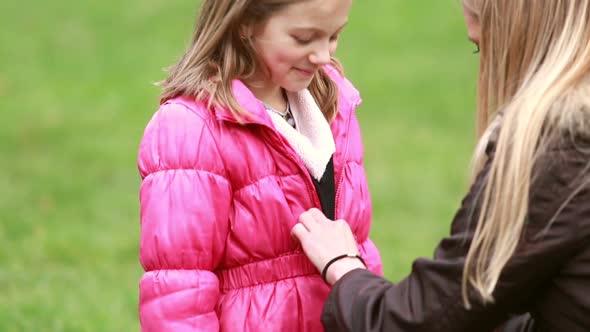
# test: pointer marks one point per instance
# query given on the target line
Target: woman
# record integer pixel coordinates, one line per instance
(256, 126)
(520, 243)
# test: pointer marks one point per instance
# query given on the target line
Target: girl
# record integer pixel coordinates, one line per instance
(256, 126)
(520, 242)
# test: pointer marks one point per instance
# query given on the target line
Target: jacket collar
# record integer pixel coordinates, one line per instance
(313, 140)
(256, 112)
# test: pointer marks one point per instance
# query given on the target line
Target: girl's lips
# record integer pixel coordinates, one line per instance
(305, 72)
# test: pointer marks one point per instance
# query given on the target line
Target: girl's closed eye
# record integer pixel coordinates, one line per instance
(302, 40)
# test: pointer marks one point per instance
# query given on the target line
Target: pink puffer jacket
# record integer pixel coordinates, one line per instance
(218, 201)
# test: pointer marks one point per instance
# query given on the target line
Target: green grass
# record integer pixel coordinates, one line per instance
(76, 93)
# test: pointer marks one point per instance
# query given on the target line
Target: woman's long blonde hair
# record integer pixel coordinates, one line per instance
(220, 53)
(534, 71)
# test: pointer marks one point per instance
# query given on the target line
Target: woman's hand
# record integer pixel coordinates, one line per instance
(323, 239)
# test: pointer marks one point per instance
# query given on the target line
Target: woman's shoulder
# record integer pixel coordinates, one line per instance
(569, 153)
(560, 188)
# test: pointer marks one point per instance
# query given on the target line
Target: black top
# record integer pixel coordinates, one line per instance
(326, 190)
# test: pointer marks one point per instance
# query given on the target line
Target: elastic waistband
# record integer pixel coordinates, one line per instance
(266, 271)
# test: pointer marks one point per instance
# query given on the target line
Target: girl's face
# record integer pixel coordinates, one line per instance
(296, 41)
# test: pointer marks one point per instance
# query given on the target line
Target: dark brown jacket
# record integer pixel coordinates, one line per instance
(548, 278)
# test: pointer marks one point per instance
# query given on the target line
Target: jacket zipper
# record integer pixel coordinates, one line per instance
(344, 156)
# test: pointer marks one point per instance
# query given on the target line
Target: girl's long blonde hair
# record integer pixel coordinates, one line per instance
(534, 72)
(220, 53)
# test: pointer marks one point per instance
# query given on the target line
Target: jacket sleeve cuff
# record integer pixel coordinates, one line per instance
(338, 310)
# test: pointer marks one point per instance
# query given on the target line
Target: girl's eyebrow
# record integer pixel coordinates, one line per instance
(315, 29)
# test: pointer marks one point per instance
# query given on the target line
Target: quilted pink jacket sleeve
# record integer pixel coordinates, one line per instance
(185, 200)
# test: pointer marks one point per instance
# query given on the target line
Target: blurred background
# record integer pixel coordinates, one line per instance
(76, 93)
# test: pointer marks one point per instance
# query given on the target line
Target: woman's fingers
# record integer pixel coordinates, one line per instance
(311, 219)
(323, 239)
(317, 215)
(300, 232)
